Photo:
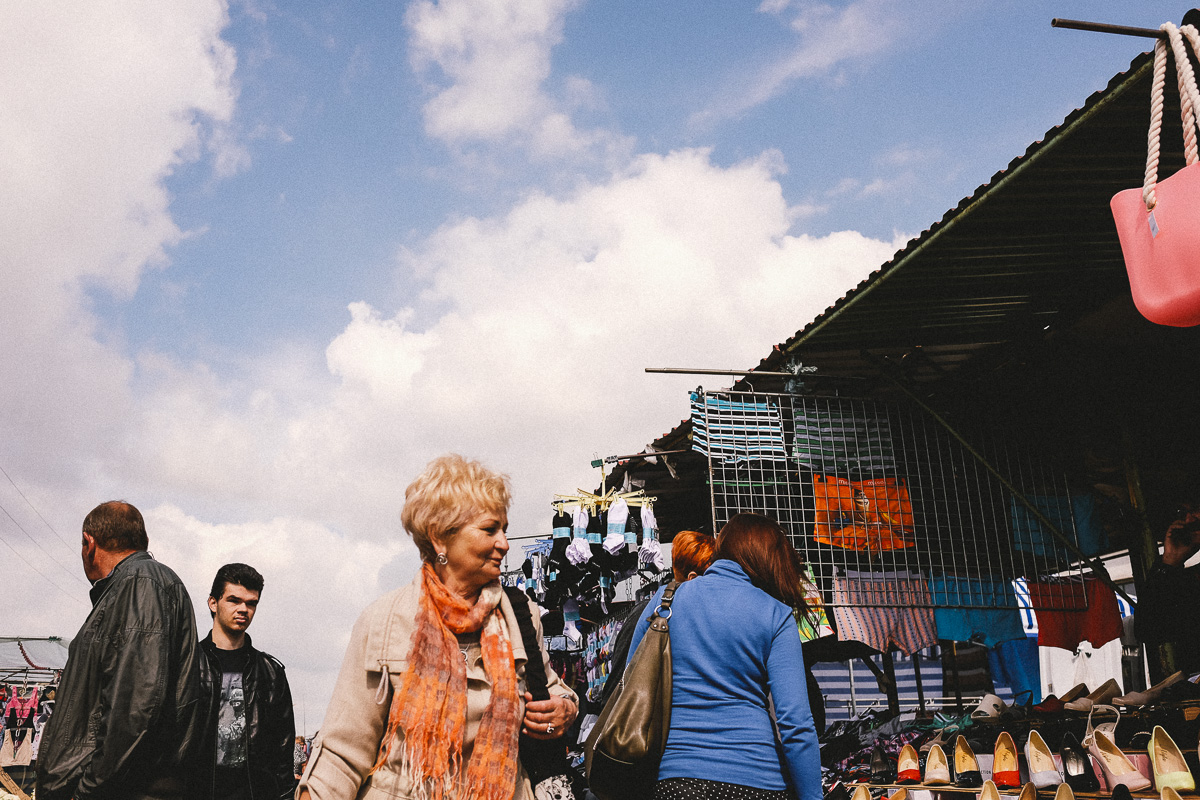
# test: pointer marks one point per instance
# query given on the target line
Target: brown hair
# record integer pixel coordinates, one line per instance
(692, 551)
(116, 526)
(448, 495)
(761, 548)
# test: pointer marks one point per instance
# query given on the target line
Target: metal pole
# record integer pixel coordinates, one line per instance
(1143, 554)
(1103, 27)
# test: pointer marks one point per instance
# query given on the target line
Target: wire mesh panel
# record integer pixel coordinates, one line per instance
(881, 494)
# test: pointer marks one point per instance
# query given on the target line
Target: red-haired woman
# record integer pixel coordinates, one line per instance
(735, 651)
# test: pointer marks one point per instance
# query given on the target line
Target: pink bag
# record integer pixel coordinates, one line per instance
(1159, 225)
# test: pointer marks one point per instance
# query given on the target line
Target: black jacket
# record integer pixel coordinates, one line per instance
(1168, 610)
(125, 721)
(270, 724)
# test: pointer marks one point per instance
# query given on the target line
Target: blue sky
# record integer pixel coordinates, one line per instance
(265, 260)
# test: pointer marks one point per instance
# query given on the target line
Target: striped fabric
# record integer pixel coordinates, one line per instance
(876, 608)
(736, 431)
(842, 440)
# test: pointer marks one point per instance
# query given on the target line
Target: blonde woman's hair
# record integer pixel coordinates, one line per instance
(450, 493)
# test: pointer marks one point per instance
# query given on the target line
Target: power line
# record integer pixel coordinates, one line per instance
(31, 505)
(49, 580)
(66, 569)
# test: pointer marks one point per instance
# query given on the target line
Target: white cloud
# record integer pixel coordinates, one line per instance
(526, 347)
(827, 37)
(493, 58)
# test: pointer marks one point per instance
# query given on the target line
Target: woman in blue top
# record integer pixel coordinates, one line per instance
(735, 649)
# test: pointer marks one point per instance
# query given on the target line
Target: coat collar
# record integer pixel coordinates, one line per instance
(727, 568)
(391, 621)
(98, 588)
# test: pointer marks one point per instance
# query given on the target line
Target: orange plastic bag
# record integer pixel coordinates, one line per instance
(873, 515)
(1159, 224)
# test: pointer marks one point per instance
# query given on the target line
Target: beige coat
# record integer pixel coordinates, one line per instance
(356, 718)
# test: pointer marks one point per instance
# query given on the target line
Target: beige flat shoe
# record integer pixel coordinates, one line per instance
(1063, 792)
(989, 791)
(1107, 691)
(861, 792)
(1028, 792)
(1150, 695)
(1074, 693)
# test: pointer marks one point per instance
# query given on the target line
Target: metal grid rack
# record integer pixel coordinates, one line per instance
(866, 486)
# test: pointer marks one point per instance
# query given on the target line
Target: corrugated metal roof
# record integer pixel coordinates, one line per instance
(1032, 249)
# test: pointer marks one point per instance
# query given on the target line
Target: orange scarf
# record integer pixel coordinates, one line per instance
(431, 704)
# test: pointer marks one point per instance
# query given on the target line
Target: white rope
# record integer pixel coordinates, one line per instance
(1189, 97)
(1192, 121)
(1156, 111)
(1189, 103)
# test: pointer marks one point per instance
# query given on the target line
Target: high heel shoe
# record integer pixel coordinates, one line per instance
(1005, 771)
(908, 766)
(937, 771)
(989, 792)
(861, 792)
(1150, 695)
(1064, 792)
(1167, 764)
(966, 766)
(1043, 772)
(882, 769)
(1107, 691)
(1077, 767)
(1169, 794)
(1028, 792)
(899, 794)
(1117, 768)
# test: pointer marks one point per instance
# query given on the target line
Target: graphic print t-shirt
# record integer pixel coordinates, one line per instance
(231, 776)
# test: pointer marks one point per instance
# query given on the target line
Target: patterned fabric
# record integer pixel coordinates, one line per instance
(699, 789)
(841, 439)
(815, 622)
(431, 704)
(873, 515)
(737, 431)
(886, 615)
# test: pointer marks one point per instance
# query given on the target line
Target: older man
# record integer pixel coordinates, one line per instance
(125, 722)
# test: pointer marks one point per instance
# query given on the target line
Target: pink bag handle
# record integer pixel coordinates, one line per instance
(1189, 102)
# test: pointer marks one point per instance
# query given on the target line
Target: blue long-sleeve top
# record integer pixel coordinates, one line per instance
(731, 644)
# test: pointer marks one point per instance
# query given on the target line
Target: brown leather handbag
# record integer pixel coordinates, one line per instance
(625, 746)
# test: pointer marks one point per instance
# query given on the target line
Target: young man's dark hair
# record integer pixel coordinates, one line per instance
(249, 734)
(239, 574)
(116, 525)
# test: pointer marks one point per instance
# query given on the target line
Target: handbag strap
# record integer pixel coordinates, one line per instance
(1189, 102)
(665, 602)
(535, 675)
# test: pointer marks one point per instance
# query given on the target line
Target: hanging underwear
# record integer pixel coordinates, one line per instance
(885, 613)
(1070, 612)
(873, 516)
(987, 610)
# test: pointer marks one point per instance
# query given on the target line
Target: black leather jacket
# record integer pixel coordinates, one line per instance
(270, 724)
(125, 721)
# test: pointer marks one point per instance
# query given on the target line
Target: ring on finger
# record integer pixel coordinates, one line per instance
(549, 729)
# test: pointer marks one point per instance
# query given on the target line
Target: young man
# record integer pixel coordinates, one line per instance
(125, 721)
(249, 729)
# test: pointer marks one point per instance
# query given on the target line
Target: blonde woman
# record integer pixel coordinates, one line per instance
(430, 700)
